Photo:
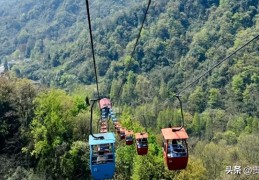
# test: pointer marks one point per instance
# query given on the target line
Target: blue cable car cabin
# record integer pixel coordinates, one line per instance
(102, 156)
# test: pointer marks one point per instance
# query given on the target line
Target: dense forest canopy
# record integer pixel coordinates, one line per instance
(44, 131)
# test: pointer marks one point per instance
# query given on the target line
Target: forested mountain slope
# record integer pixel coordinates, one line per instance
(182, 37)
(49, 42)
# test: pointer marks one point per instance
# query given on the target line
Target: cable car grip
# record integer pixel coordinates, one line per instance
(91, 120)
(182, 125)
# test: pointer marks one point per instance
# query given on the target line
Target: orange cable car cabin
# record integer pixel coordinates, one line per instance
(102, 123)
(142, 143)
(116, 123)
(175, 149)
(118, 127)
(104, 127)
(103, 130)
(129, 137)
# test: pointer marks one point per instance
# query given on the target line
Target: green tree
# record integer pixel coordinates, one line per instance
(143, 89)
(213, 158)
(25, 94)
(197, 101)
(8, 117)
(115, 86)
(248, 147)
(161, 121)
(195, 170)
(230, 137)
(23, 36)
(163, 91)
(75, 162)
(255, 125)
(238, 86)
(196, 124)
(51, 130)
(236, 124)
(124, 160)
(208, 128)
(148, 167)
(6, 65)
(214, 98)
(177, 117)
(128, 92)
(16, 111)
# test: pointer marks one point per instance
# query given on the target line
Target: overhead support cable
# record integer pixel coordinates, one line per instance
(139, 34)
(92, 46)
(208, 71)
(95, 71)
(217, 64)
(134, 49)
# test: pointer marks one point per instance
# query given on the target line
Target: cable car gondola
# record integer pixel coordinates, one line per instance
(129, 137)
(113, 117)
(104, 127)
(116, 123)
(102, 156)
(142, 143)
(118, 128)
(103, 130)
(105, 105)
(122, 133)
(175, 149)
(102, 153)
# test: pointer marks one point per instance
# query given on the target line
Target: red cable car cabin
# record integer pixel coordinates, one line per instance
(118, 127)
(116, 123)
(129, 137)
(105, 103)
(103, 123)
(175, 148)
(103, 127)
(122, 133)
(142, 143)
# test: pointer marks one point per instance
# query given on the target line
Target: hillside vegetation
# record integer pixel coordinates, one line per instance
(44, 131)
